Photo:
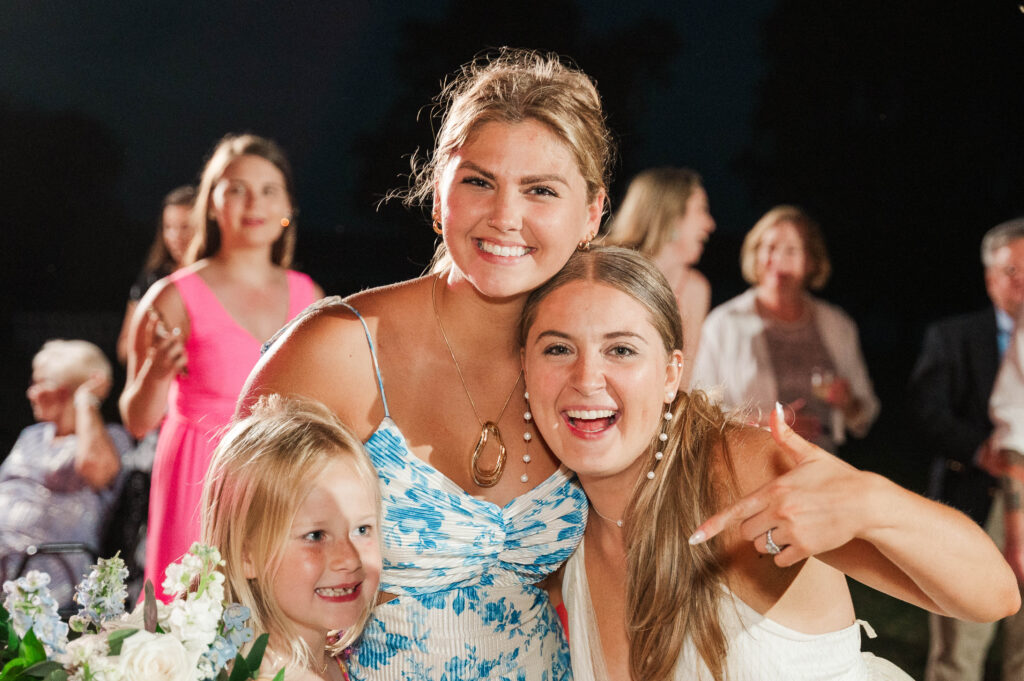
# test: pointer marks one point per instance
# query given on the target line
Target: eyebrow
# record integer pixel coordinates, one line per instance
(611, 335)
(526, 179)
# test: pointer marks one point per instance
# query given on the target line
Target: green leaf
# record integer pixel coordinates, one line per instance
(56, 675)
(239, 670)
(116, 639)
(279, 676)
(44, 670)
(31, 650)
(149, 613)
(12, 670)
(255, 657)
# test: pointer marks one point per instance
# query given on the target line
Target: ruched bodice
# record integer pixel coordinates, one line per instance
(437, 537)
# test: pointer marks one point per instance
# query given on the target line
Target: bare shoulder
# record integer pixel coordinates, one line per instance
(164, 298)
(325, 355)
(700, 284)
(753, 458)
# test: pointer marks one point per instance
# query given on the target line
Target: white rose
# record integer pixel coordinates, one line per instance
(156, 657)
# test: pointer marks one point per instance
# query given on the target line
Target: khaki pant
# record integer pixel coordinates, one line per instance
(958, 649)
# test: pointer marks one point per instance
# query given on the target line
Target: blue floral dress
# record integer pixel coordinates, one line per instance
(464, 572)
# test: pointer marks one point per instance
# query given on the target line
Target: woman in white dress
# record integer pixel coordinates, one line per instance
(759, 590)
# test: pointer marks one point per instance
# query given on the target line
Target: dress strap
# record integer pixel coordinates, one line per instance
(373, 355)
(868, 629)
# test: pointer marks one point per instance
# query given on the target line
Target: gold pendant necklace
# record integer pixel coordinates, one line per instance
(488, 429)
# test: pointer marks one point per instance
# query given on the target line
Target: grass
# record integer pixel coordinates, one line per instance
(902, 628)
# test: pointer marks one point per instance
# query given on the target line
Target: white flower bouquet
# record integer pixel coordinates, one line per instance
(193, 638)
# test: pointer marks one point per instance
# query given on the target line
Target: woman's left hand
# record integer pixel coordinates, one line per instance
(816, 506)
(93, 390)
(839, 395)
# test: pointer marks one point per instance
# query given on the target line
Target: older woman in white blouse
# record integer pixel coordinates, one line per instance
(777, 342)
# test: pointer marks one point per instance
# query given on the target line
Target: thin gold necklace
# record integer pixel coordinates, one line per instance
(618, 523)
(488, 429)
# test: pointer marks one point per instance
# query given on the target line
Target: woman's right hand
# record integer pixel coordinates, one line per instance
(165, 349)
(806, 425)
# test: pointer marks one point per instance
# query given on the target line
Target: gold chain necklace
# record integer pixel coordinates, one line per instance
(488, 429)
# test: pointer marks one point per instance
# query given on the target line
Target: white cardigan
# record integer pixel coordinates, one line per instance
(733, 364)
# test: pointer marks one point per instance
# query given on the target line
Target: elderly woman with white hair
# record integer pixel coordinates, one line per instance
(59, 481)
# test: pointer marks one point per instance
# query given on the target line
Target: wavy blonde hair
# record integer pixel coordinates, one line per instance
(672, 588)
(252, 492)
(656, 198)
(511, 86)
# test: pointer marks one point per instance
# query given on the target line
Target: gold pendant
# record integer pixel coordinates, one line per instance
(489, 478)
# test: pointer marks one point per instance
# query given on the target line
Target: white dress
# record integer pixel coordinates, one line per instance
(759, 649)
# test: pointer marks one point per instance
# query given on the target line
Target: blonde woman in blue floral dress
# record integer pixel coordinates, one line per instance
(477, 511)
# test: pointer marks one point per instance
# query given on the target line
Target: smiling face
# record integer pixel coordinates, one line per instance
(513, 206)
(692, 229)
(599, 378)
(782, 258)
(330, 564)
(249, 201)
(177, 230)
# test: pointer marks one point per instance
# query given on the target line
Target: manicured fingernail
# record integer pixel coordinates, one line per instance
(697, 537)
(780, 412)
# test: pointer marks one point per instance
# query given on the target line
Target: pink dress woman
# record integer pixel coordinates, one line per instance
(200, 404)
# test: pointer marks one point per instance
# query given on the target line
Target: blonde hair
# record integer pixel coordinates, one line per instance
(672, 588)
(250, 499)
(70, 363)
(206, 240)
(656, 198)
(819, 267)
(512, 86)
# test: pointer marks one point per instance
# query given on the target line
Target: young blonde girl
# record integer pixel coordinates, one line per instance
(292, 503)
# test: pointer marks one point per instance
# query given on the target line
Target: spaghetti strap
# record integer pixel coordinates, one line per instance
(373, 355)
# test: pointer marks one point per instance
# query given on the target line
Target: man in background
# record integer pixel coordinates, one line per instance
(950, 389)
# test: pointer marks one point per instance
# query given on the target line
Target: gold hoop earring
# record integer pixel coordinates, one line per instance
(436, 215)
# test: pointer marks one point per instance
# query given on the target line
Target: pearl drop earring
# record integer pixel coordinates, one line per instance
(527, 437)
(662, 439)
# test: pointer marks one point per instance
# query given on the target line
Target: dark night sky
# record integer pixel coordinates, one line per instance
(166, 80)
(900, 127)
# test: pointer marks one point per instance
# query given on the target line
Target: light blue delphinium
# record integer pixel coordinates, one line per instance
(32, 607)
(101, 595)
(233, 635)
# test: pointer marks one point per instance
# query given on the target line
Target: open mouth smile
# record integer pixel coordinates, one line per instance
(502, 251)
(339, 594)
(590, 421)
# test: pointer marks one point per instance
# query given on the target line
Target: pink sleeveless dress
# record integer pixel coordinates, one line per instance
(200, 404)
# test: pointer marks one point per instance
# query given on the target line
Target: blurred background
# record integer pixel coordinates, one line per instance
(899, 126)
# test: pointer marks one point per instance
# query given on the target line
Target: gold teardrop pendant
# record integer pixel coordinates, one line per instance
(488, 478)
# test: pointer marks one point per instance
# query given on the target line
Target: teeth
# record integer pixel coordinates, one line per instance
(503, 251)
(335, 592)
(590, 414)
